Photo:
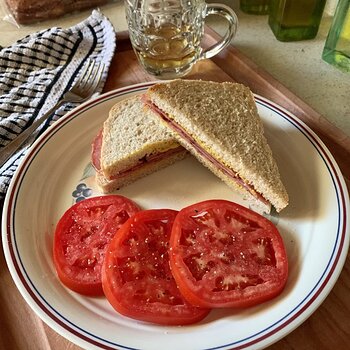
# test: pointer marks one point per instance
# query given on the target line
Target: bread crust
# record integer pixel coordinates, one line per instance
(107, 186)
(129, 134)
(223, 119)
(30, 11)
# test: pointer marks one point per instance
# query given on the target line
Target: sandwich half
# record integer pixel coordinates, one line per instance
(131, 144)
(219, 124)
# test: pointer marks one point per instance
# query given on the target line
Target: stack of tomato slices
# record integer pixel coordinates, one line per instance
(169, 267)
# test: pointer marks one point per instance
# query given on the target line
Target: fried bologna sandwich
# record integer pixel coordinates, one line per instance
(131, 144)
(219, 124)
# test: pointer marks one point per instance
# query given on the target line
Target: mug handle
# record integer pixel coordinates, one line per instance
(226, 12)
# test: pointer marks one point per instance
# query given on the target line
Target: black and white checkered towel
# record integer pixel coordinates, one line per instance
(36, 71)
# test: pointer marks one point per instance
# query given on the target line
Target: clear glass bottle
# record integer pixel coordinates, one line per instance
(255, 7)
(292, 20)
(337, 47)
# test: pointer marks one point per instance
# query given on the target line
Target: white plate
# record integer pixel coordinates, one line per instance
(315, 229)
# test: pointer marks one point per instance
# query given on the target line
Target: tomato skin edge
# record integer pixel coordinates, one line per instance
(184, 278)
(137, 313)
(145, 317)
(88, 289)
(193, 298)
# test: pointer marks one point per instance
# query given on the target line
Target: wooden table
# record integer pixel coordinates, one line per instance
(327, 328)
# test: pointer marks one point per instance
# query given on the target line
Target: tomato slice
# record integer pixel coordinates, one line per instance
(136, 275)
(225, 255)
(81, 238)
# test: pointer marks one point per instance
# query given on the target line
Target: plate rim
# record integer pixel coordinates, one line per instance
(289, 324)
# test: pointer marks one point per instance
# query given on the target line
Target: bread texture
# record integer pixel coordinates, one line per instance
(31, 11)
(222, 119)
(130, 134)
(108, 186)
(134, 144)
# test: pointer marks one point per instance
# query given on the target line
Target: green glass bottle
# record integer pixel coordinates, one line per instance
(337, 47)
(255, 7)
(292, 20)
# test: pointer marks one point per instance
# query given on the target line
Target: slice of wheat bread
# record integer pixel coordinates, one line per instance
(108, 186)
(129, 135)
(222, 119)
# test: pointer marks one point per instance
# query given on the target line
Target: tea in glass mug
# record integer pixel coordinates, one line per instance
(166, 34)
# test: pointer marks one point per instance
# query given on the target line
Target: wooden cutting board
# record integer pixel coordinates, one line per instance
(327, 328)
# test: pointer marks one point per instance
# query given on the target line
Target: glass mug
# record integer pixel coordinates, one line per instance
(166, 34)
